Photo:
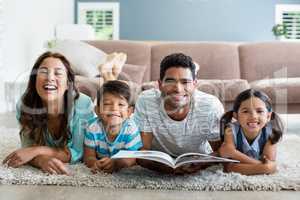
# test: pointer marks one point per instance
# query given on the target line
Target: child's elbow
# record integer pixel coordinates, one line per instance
(271, 168)
(228, 167)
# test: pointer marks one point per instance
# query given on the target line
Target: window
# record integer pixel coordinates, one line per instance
(103, 17)
(289, 16)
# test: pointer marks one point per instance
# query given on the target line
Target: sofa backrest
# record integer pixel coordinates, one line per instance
(138, 53)
(266, 60)
(217, 60)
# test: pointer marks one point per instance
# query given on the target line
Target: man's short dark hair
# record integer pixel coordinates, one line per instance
(115, 87)
(176, 60)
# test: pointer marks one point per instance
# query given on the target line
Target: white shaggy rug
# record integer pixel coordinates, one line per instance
(211, 179)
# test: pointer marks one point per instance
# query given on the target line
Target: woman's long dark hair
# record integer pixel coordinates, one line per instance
(276, 122)
(33, 114)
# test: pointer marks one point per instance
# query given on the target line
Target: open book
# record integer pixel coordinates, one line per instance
(166, 159)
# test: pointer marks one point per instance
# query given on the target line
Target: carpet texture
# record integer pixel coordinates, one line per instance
(211, 179)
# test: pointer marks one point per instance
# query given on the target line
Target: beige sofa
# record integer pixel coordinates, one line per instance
(225, 68)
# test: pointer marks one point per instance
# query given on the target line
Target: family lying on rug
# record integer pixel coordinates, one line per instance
(59, 125)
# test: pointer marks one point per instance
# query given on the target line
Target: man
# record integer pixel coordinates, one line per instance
(177, 118)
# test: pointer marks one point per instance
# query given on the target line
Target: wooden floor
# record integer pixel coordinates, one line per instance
(90, 193)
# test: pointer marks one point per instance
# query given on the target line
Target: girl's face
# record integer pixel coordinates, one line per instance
(114, 110)
(252, 116)
(51, 80)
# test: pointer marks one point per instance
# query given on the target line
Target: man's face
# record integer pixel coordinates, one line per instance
(177, 87)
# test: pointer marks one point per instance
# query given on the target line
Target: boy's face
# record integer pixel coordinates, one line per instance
(113, 109)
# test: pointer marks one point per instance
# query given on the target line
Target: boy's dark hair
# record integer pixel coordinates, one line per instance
(115, 87)
(277, 124)
(176, 60)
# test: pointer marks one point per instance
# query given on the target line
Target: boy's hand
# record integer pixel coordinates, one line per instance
(105, 164)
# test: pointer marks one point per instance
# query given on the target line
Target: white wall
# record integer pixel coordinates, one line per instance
(27, 25)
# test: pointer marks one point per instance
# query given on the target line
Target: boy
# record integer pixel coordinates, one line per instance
(112, 131)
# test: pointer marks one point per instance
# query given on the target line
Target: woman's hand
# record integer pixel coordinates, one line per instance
(105, 164)
(20, 157)
(51, 165)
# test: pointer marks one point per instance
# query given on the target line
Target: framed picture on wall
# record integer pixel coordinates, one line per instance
(102, 16)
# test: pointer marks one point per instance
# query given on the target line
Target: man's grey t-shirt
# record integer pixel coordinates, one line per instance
(177, 137)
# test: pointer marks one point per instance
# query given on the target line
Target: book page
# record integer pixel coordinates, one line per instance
(199, 158)
(149, 155)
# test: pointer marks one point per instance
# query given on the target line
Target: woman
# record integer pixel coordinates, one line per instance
(52, 114)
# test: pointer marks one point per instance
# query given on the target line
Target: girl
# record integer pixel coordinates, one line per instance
(52, 114)
(252, 138)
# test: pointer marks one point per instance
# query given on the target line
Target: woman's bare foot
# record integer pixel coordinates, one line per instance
(113, 65)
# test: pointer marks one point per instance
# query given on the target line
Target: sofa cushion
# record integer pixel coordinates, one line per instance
(83, 57)
(90, 86)
(134, 73)
(216, 60)
(225, 90)
(280, 90)
(266, 60)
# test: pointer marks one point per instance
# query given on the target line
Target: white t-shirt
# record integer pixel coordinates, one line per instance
(177, 137)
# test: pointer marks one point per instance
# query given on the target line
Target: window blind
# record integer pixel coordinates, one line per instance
(289, 16)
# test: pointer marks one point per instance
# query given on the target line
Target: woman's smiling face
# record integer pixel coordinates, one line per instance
(51, 80)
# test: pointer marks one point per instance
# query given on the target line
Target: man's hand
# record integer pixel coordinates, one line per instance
(105, 164)
(20, 157)
(190, 168)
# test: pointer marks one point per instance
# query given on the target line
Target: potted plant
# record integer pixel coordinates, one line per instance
(279, 31)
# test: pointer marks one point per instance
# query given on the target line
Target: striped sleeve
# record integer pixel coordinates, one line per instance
(133, 140)
(89, 140)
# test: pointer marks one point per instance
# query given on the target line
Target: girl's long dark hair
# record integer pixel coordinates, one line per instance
(33, 114)
(276, 122)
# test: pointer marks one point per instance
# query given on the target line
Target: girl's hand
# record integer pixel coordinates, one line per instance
(52, 165)
(226, 151)
(105, 164)
(270, 166)
(20, 157)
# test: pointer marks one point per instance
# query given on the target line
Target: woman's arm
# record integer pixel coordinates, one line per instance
(49, 164)
(27, 154)
(62, 154)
